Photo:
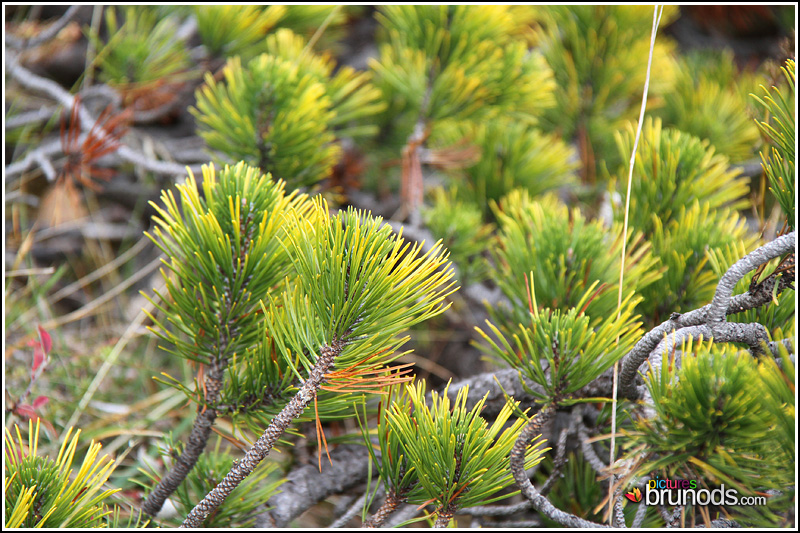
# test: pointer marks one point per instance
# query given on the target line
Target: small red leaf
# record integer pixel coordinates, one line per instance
(26, 411)
(38, 358)
(47, 342)
(40, 401)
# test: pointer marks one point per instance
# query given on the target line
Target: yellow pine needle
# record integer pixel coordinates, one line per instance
(600, 289)
(533, 306)
(67, 447)
(22, 506)
(528, 292)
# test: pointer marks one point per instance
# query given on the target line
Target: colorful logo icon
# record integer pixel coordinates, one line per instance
(635, 495)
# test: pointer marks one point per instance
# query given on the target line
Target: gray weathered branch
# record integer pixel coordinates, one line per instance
(52, 89)
(712, 315)
(306, 486)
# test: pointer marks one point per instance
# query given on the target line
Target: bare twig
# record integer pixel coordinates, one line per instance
(787, 343)
(540, 502)
(495, 383)
(497, 510)
(355, 508)
(46, 34)
(103, 91)
(751, 168)
(589, 454)
(157, 113)
(44, 151)
(306, 486)
(517, 524)
(37, 83)
(407, 512)
(638, 518)
(30, 117)
(46, 166)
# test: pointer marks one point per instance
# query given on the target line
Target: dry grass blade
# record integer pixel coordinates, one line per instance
(656, 19)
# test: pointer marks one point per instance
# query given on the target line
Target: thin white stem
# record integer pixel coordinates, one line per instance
(657, 11)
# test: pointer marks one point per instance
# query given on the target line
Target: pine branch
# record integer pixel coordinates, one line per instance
(296, 406)
(722, 298)
(230, 316)
(532, 429)
(711, 316)
(201, 431)
(387, 508)
(444, 516)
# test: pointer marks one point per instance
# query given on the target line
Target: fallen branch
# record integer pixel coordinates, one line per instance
(46, 34)
(306, 486)
(52, 89)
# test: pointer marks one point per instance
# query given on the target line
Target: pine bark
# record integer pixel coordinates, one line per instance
(241, 469)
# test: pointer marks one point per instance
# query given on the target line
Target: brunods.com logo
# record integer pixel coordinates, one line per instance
(661, 491)
(635, 495)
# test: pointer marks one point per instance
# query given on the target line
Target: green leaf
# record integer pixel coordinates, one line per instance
(568, 255)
